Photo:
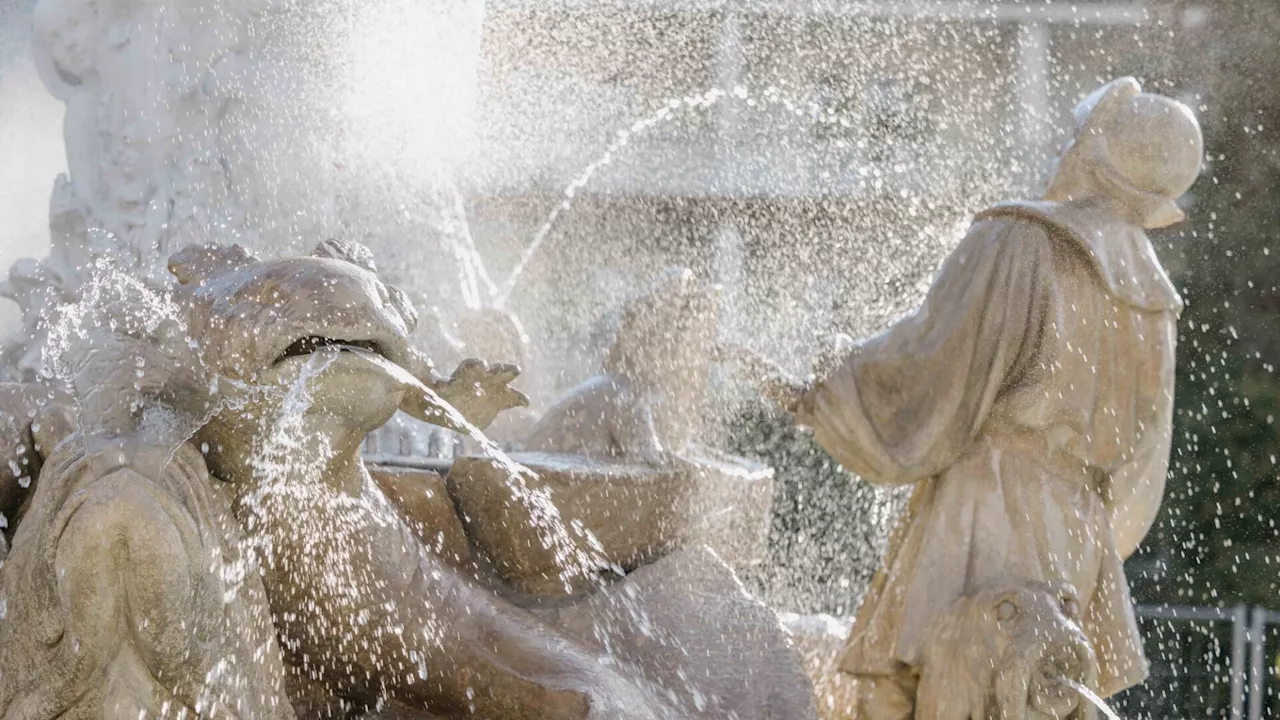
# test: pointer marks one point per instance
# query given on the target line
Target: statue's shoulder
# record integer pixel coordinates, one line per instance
(1048, 216)
(1120, 254)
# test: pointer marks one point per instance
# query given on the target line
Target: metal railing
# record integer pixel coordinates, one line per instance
(1206, 662)
(1262, 620)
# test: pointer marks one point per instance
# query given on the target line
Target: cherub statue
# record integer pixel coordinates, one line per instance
(647, 405)
(1029, 400)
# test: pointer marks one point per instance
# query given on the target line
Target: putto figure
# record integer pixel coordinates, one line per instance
(1029, 400)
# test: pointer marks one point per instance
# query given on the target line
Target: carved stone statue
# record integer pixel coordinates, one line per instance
(668, 519)
(150, 123)
(204, 539)
(648, 403)
(214, 121)
(1029, 401)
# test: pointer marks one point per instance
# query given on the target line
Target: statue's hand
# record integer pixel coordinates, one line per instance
(784, 390)
(480, 391)
(774, 382)
(835, 348)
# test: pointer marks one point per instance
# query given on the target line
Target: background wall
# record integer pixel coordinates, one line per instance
(31, 149)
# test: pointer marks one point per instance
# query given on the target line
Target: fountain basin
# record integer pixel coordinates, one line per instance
(637, 513)
(422, 498)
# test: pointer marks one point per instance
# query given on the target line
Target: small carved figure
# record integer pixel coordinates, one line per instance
(1010, 652)
(1029, 400)
(648, 404)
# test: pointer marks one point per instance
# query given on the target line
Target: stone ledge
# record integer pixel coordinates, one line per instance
(637, 513)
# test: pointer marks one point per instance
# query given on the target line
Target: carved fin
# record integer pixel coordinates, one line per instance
(195, 264)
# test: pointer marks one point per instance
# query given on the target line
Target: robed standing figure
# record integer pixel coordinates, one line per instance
(1029, 400)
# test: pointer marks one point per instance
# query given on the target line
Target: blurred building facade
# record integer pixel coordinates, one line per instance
(847, 146)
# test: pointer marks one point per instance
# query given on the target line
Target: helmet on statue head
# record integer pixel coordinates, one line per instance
(1141, 149)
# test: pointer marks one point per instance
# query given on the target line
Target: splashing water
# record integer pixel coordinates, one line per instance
(287, 466)
(288, 462)
(1092, 697)
(668, 111)
(576, 548)
(583, 557)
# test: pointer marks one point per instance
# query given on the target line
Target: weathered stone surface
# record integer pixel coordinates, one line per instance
(1008, 652)
(220, 544)
(636, 512)
(423, 499)
(1038, 447)
(129, 594)
(819, 640)
(691, 629)
(397, 711)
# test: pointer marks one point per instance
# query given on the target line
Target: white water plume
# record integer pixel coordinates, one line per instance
(620, 141)
(1093, 698)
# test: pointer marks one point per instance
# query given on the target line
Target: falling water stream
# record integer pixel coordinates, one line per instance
(669, 110)
(1092, 697)
(582, 558)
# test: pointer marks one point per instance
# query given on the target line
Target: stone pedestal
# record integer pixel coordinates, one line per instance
(731, 507)
(637, 513)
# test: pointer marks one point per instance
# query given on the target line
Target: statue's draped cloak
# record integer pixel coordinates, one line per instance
(1030, 400)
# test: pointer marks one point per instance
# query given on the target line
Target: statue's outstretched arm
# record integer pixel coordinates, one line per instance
(778, 384)
(474, 394)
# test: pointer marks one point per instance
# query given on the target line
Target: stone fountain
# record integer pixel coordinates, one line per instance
(191, 527)
(210, 542)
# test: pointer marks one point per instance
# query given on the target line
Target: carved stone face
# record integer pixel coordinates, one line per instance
(255, 317)
(1042, 646)
(261, 324)
(67, 37)
(1010, 652)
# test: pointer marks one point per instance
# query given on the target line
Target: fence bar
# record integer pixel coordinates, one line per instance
(1239, 637)
(1257, 670)
(1176, 612)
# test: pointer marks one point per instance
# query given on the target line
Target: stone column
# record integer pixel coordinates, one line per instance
(150, 90)
(1034, 108)
(728, 270)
